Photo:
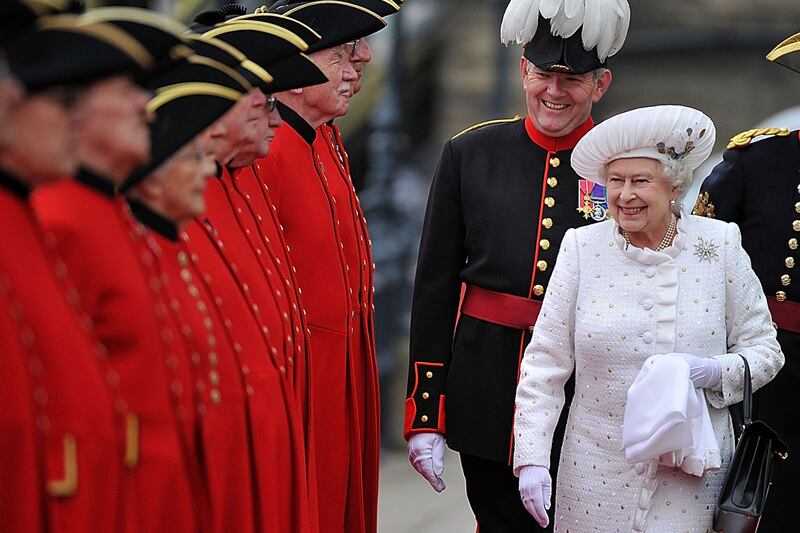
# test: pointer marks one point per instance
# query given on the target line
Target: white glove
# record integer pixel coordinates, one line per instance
(426, 455)
(705, 372)
(535, 489)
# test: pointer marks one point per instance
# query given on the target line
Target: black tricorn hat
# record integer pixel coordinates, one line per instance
(787, 53)
(204, 21)
(199, 67)
(65, 52)
(338, 22)
(226, 54)
(275, 49)
(383, 8)
(161, 35)
(17, 16)
(182, 112)
(556, 54)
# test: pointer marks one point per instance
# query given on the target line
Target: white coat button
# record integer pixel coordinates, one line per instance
(647, 337)
(647, 303)
(650, 272)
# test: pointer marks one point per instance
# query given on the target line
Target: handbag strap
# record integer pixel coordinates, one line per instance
(747, 396)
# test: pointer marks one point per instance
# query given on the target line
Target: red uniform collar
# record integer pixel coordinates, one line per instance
(554, 144)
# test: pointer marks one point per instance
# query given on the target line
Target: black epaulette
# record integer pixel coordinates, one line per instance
(746, 137)
(487, 123)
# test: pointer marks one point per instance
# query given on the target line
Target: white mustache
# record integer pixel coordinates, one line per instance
(346, 87)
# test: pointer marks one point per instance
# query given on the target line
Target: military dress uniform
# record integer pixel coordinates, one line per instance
(502, 197)
(163, 476)
(325, 230)
(75, 391)
(757, 185)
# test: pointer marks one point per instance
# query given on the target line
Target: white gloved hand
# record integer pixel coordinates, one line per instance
(426, 455)
(705, 372)
(535, 489)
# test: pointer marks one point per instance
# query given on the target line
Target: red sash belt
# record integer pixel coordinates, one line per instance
(785, 314)
(500, 308)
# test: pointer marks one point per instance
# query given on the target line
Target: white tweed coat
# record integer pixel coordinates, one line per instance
(607, 309)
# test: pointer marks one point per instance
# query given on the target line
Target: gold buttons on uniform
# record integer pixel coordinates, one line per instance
(797, 207)
(552, 182)
(545, 244)
(425, 395)
(780, 296)
(796, 225)
(538, 290)
(793, 244)
(429, 374)
(424, 418)
(541, 265)
(786, 279)
(555, 162)
(547, 223)
(550, 202)
(789, 262)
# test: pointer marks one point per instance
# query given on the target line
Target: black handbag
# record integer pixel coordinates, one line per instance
(744, 493)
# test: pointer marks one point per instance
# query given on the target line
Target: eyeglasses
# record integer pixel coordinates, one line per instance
(352, 47)
(272, 104)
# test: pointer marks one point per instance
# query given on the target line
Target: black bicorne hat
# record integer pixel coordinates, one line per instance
(556, 54)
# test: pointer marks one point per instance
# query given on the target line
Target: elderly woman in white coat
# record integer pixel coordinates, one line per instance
(654, 280)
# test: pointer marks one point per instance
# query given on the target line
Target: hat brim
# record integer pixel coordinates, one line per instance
(787, 53)
(294, 72)
(336, 21)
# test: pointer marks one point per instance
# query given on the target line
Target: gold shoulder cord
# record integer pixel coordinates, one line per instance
(487, 123)
(746, 137)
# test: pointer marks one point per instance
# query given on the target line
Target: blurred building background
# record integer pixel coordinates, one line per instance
(439, 68)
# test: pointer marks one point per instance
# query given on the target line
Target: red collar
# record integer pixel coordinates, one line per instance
(554, 144)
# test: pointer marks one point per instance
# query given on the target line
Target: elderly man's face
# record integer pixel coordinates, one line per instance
(38, 138)
(360, 55)
(183, 179)
(331, 99)
(114, 120)
(639, 197)
(263, 118)
(559, 103)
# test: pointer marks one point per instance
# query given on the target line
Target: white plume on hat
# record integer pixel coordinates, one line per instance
(675, 135)
(605, 22)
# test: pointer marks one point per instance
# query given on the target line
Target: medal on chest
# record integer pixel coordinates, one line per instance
(592, 200)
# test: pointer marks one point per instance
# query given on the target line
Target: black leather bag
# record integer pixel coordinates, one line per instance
(744, 493)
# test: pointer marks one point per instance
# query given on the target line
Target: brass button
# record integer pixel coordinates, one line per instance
(786, 279)
(798, 187)
(780, 296)
(545, 244)
(793, 244)
(425, 395)
(213, 377)
(797, 207)
(424, 418)
(555, 162)
(789, 262)
(796, 225)
(541, 265)
(547, 223)
(429, 374)
(538, 290)
(552, 182)
(550, 202)
(216, 397)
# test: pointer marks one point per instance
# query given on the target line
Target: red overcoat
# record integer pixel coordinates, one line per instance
(120, 292)
(307, 181)
(21, 504)
(227, 244)
(74, 388)
(214, 355)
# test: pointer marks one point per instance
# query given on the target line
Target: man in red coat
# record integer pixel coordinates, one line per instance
(73, 389)
(304, 182)
(122, 293)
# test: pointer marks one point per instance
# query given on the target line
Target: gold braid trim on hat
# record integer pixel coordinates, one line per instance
(134, 14)
(263, 27)
(253, 17)
(337, 3)
(792, 44)
(179, 90)
(228, 71)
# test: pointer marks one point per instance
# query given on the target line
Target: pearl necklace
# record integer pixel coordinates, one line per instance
(668, 236)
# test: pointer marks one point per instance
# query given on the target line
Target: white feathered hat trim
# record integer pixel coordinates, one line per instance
(605, 22)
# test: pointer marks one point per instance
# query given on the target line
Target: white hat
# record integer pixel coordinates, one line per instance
(676, 135)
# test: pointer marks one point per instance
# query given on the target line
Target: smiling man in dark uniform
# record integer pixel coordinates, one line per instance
(757, 185)
(502, 198)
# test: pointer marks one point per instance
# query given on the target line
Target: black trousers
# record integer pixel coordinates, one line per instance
(493, 494)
